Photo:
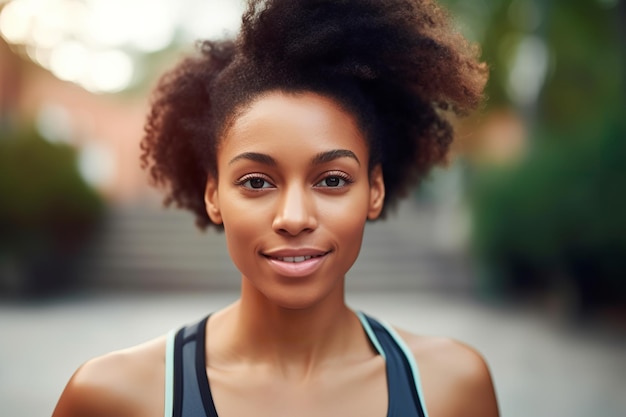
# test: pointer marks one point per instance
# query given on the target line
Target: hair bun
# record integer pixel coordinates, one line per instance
(406, 42)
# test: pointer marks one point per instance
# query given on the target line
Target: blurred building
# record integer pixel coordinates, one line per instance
(557, 80)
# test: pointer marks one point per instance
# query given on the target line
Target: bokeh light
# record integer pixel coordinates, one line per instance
(96, 164)
(99, 44)
(529, 69)
(16, 22)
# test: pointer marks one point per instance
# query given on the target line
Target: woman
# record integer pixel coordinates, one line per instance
(315, 120)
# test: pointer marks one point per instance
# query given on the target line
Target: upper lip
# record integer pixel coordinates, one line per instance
(284, 253)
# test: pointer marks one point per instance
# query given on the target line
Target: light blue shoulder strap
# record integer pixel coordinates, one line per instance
(408, 354)
(370, 334)
(169, 374)
(411, 359)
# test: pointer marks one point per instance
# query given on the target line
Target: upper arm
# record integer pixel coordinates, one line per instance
(470, 384)
(455, 378)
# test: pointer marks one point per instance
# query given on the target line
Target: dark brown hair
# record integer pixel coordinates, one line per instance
(396, 65)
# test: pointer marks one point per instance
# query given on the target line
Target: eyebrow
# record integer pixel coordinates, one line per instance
(320, 158)
(256, 157)
(328, 156)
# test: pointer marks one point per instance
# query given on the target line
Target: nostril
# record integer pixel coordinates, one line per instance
(294, 217)
(294, 230)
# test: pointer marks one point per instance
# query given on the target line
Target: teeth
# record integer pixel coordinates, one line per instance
(295, 259)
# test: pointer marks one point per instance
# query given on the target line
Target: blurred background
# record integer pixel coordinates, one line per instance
(517, 247)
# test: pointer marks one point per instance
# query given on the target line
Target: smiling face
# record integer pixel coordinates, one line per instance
(293, 192)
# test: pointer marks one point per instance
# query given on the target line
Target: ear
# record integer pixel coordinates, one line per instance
(211, 200)
(377, 193)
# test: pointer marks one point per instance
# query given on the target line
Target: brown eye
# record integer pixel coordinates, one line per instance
(332, 181)
(254, 182)
(257, 183)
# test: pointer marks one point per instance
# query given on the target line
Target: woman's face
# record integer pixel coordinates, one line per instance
(293, 193)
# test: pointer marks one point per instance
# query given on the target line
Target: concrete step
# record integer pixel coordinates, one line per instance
(148, 247)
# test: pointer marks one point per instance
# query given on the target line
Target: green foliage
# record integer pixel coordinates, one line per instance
(559, 215)
(586, 53)
(47, 211)
(40, 186)
(587, 75)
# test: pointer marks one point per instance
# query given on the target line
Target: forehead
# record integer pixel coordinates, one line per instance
(288, 121)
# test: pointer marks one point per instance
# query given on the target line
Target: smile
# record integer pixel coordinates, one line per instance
(296, 259)
(296, 265)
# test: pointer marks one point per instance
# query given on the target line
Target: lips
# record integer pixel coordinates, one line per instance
(295, 255)
(295, 259)
(296, 263)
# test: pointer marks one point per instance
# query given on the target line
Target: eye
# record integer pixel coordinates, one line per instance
(254, 182)
(334, 181)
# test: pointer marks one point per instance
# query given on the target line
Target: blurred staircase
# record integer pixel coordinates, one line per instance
(147, 247)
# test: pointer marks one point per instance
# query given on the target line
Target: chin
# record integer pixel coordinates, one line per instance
(300, 297)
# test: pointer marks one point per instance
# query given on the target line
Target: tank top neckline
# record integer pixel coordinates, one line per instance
(204, 383)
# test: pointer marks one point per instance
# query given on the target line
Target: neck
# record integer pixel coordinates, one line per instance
(292, 340)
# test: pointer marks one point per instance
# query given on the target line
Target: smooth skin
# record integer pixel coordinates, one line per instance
(293, 181)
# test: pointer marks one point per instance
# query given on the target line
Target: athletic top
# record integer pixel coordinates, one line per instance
(188, 394)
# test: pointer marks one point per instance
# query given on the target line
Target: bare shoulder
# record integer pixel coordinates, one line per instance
(124, 383)
(455, 377)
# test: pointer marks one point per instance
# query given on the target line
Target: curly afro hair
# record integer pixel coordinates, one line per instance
(396, 65)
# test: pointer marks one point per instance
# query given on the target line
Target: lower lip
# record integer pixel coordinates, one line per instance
(296, 269)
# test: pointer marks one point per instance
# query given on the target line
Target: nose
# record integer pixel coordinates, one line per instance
(295, 212)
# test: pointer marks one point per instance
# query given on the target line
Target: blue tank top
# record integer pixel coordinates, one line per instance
(188, 394)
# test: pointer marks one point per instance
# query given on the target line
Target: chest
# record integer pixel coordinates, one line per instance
(381, 385)
(356, 390)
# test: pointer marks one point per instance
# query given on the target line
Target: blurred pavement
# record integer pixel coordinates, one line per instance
(541, 367)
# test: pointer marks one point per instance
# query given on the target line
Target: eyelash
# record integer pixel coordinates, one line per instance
(336, 174)
(248, 177)
(332, 174)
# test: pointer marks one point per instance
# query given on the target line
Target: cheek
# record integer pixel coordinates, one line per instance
(243, 224)
(241, 220)
(240, 215)
(348, 234)
(345, 219)
(349, 210)
(240, 242)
